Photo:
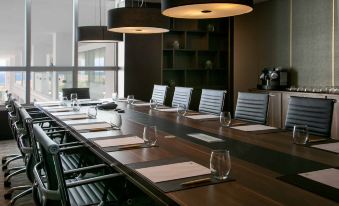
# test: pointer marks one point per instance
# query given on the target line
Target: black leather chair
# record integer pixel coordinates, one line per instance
(83, 93)
(316, 113)
(252, 107)
(159, 93)
(54, 187)
(212, 101)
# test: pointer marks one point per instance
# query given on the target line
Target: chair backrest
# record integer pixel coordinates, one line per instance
(159, 93)
(316, 113)
(83, 93)
(182, 95)
(51, 166)
(212, 101)
(252, 107)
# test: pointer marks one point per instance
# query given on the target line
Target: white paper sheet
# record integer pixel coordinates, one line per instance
(75, 116)
(46, 104)
(251, 128)
(203, 116)
(82, 121)
(90, 135)
(333, 147)
(65, 113)
(173, 171)
(205, 137)
(92, 126)
(167, 110)
(65, 109)
(141, 104)
(328, 177)
(119, 141)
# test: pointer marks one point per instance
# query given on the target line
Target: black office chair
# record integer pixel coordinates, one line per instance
(159, 93)
(55, 187)
(212, 101)
(316, 113)
(252, 107)
(82, 93)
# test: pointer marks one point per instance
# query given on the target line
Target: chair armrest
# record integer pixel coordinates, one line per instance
(49, 194)
(92, 180)
(55, 132)
(70, 144)
(66, 149)
(23, 148)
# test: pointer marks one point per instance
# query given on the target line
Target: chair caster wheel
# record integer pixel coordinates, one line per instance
(8, 196)
(3, 161)
(4, 168)
(6, 174)
(7, 184)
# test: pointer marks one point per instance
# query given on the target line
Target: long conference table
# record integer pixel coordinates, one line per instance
(265, 163)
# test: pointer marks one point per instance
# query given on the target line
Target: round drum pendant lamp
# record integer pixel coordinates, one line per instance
(97, 34)
(205, 9)
(137, 20)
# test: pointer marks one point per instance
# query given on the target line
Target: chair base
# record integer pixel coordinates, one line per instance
(22, 194)
(9, 193)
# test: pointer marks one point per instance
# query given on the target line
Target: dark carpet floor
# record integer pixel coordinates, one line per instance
(10, 147)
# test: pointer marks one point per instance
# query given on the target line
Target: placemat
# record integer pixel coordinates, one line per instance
(76, 116)
(176, 185)
(93, 126)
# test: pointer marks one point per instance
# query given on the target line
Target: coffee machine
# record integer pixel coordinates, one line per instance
(274, 79)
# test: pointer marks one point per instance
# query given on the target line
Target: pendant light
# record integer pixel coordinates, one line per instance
(205, 9)
(97, 34)
(137, 20)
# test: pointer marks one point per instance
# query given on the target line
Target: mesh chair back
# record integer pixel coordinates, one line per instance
(212, 101)
(159, 93)
(82, 93)
(252, 107)
(182, 95)
(316, 113)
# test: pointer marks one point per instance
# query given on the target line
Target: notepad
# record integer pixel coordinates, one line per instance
(173, 171)
(46, 104)
(167, 109)
(75, 116)
(94, 126)
(328, 177)
(82, 121)
(65, 113)
(205, 137)
(251, 128)
(332, 147)
(90, 135)
(65, 109)
(202, 116)
(141, 104)
(119, 141)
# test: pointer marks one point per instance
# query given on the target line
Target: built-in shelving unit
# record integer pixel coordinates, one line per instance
(196, 54)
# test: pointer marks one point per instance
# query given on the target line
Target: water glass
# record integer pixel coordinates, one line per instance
(117, 120)
(115, 97)
(92, 112)
(150, 135)
(74, 97)
(76, 106)
(130, 99)
(153, 104)
(64, 101)
(225, 119)
(220, 164)
(181, 110)
(300, 134)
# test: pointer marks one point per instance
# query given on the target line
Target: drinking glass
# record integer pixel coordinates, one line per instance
(74, 97)
(116, 121)
(300, 134)
(92, 112)
(220, 164)
(64, 101)
(225, 119)
(181, 110)
(153, 104)
(130, 99)
(76, 106)
(115, 97)
(150, 135)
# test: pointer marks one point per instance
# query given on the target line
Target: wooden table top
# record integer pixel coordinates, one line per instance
(257, 160)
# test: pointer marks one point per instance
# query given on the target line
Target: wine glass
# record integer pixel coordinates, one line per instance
(64, 101)
(116, 120)
(225, 119)
(181, 109)
(74, 97)
(300, 134)
(76, 106)
(115, 97)
(220, 164)
(92, 112)
(153, 104)
(150, 135)
(130, 99)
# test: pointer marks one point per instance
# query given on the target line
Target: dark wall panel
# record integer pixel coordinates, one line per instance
(142, 64)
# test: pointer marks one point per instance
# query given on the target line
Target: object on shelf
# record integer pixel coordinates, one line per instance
(208, 64)
(274, 79)
(176, 44)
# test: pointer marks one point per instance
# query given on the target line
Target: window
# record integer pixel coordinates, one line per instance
(9, 81)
